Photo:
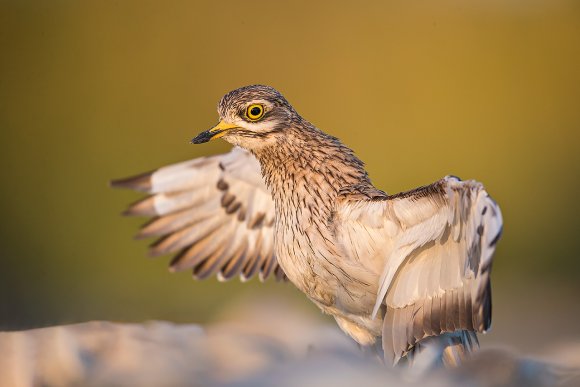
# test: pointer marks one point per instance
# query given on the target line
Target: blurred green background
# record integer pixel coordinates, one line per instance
(94, 90)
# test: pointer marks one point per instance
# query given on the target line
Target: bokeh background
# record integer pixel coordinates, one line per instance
(94, 90)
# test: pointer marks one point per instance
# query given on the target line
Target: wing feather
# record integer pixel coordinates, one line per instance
(438, 243)
(214, 212)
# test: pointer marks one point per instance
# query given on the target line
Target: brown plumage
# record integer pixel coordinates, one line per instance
(291, 200)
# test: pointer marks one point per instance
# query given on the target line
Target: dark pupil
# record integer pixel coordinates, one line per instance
(255, 111)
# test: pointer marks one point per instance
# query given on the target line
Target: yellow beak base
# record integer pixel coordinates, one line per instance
(216, 132)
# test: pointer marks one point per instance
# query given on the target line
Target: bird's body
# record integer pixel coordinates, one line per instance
(306, 187)
(412, 269)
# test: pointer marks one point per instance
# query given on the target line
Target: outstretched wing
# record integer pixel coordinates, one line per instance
(214, 212)
(437, 243)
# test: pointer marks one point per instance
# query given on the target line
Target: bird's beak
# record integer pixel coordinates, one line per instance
(216, 132)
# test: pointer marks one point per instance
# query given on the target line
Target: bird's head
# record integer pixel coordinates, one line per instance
(251, 117)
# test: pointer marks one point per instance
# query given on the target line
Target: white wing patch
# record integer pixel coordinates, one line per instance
(429, 228)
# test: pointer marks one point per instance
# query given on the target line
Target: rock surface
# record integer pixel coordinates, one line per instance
(262, 346)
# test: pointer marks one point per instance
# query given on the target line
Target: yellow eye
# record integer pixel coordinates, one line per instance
(255, 112)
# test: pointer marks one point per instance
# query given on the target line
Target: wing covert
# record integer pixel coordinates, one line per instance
(437, 246)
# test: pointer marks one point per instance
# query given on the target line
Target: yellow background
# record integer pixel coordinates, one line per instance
(94, 90)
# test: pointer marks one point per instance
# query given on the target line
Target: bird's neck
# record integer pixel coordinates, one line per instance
(307, 169)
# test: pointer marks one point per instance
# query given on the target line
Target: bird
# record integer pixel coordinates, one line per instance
(406, 274)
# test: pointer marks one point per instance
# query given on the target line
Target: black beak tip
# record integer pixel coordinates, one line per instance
(202, 137)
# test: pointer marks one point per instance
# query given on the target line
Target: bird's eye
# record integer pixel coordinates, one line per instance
(255, 112)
